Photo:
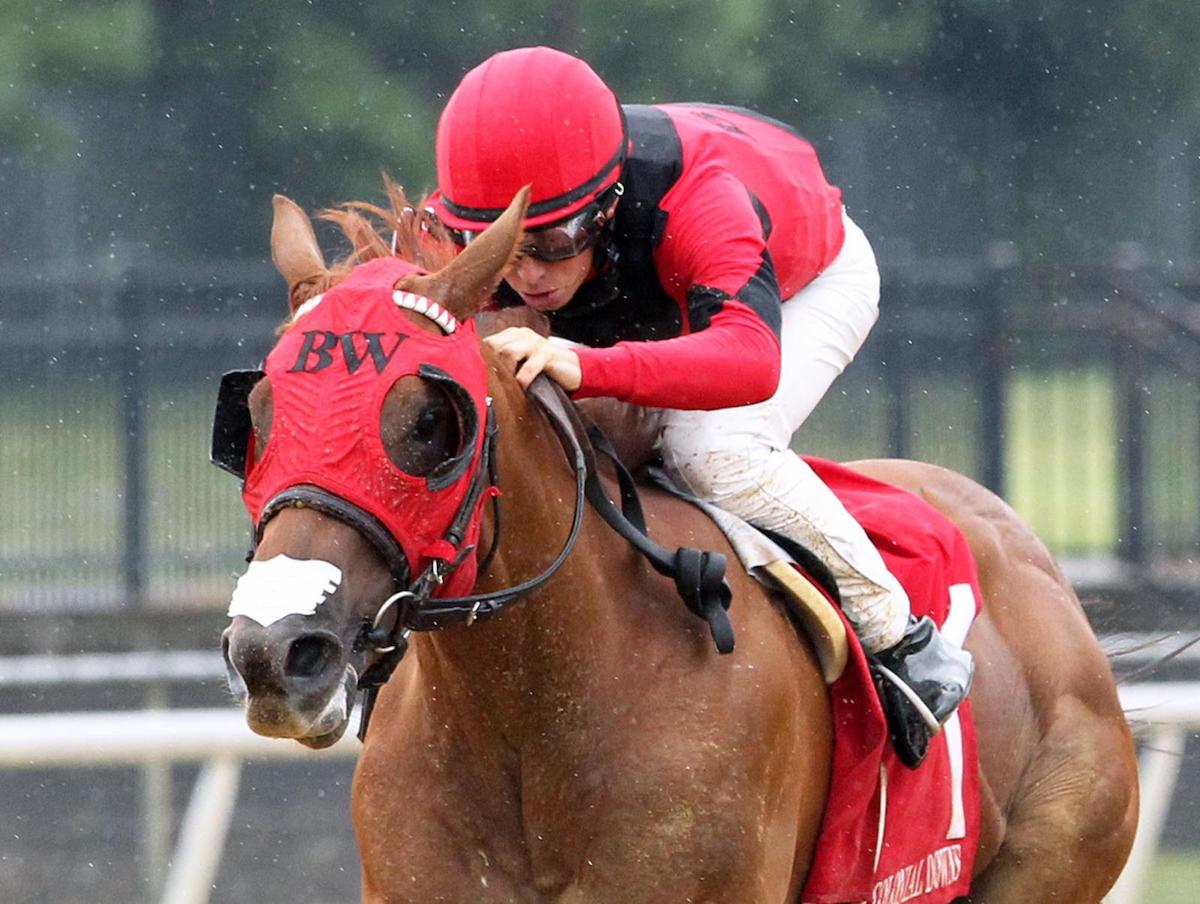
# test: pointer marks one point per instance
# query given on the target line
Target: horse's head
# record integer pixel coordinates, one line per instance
(361, 445)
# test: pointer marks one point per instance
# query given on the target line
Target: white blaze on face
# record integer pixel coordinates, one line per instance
(282, 586)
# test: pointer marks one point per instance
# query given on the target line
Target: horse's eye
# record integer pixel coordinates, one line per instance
(420, 426)
(429, 423)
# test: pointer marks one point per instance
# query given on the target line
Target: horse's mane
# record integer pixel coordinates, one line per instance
(401, 230)
(404, 230)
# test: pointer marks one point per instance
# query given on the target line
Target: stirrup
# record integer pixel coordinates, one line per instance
(921, 681)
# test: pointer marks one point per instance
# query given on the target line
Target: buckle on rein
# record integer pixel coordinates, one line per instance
(390, 646)
(392, 643)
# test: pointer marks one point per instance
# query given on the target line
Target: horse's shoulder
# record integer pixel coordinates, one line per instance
(677, 520)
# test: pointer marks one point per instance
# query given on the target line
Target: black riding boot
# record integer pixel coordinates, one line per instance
(921, 681)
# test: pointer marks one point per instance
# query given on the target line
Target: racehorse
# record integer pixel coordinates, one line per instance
(589, 744)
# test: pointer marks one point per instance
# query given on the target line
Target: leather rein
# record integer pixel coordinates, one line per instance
(699, 575)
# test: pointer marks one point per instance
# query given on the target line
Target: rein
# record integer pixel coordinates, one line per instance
(417, 609)
(698, 575)
(419, 613)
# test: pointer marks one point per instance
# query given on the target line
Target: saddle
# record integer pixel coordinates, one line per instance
(890, 833)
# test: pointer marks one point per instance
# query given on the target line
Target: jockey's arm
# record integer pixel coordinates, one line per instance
(733, 361)
(713, 258)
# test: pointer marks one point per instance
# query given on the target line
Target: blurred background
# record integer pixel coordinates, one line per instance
(1026, 171)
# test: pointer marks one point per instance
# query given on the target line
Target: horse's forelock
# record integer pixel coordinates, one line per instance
(400, 229)
(307, 289)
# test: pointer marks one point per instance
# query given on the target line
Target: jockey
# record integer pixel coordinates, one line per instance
(706, 273)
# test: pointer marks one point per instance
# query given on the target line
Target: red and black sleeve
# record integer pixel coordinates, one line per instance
(713, 259)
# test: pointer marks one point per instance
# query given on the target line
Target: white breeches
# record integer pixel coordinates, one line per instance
(738, 458)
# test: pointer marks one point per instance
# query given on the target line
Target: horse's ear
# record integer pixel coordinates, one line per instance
(464, 284)
(295, 251)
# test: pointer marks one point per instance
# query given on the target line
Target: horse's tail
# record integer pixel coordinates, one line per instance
(1134, 657)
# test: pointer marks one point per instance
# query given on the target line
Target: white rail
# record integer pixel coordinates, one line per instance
(110, 668)
(219, 738)
(153, 671)
(143, 736)
(1169, 710)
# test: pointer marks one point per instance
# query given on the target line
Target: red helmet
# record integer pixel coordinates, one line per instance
(531, 116)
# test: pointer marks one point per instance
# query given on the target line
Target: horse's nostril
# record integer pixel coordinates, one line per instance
(309, 656)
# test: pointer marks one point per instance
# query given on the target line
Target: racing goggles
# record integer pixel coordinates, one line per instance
(566, 238)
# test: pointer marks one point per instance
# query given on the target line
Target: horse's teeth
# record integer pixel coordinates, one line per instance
(430, 309)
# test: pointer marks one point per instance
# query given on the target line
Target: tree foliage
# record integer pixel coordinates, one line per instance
(167, 125)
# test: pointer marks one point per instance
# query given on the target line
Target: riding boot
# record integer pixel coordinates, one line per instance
(921, 680)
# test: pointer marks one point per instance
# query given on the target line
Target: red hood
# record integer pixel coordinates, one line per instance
(329, 375)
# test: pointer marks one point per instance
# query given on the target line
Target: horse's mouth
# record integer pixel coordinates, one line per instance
(276, 716)
(320, 742)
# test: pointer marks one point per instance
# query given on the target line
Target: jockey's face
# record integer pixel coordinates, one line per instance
(548, 285)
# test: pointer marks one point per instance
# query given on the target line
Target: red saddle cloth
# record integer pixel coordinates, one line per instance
(892, 834)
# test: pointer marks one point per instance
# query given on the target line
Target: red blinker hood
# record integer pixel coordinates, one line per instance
(329, 375)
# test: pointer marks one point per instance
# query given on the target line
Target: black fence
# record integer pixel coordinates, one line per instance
(1070, 391)
(109, 499)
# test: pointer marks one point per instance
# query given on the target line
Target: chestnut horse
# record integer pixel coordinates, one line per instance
(589, 745)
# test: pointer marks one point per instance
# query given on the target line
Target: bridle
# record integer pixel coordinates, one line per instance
(412, 606)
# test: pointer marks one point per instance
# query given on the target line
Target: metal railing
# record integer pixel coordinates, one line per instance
(1167, 712)
(1061, 388)
(218, 739)
(1164, 712)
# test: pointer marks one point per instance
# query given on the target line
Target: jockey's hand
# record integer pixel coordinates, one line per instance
(528, 354)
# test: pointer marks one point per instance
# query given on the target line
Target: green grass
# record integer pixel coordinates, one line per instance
(62, 489)
(197, 527)
(1062, 456)
(62, 484)
(1174, 879)
(1061, 447)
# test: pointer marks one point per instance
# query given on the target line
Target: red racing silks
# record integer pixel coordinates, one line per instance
(329, 375)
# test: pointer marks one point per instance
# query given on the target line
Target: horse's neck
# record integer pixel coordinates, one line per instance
(532, 652)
